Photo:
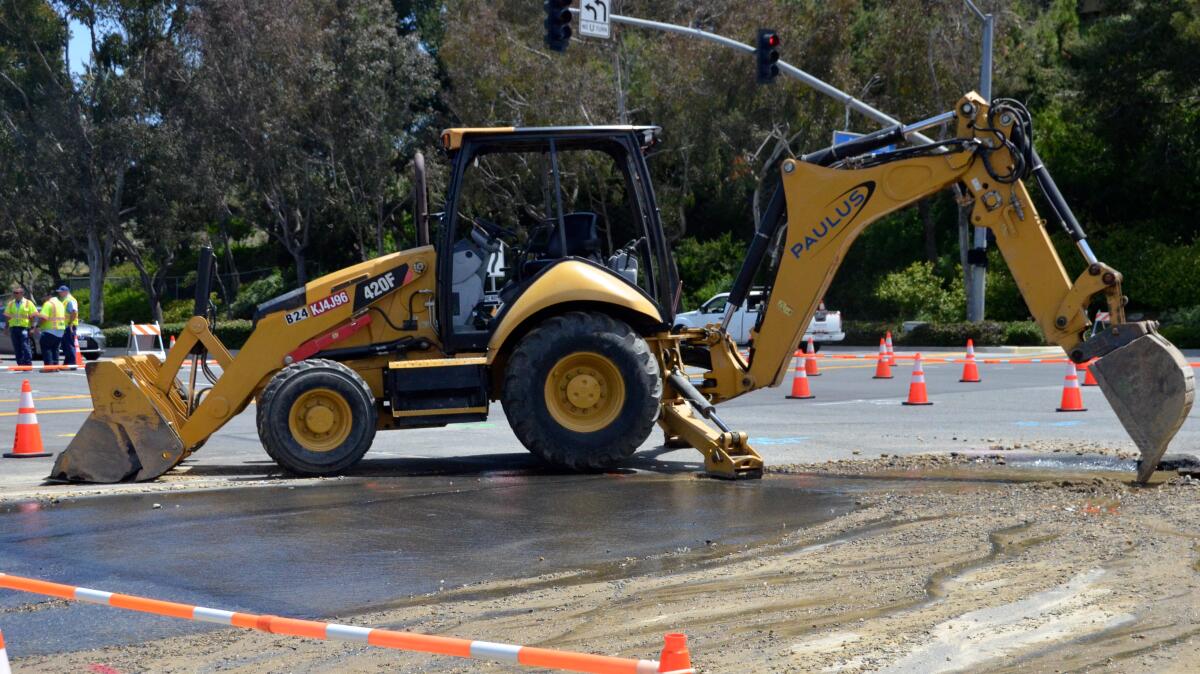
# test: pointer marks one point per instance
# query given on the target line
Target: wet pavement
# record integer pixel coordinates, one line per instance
(852, 415)
(350, 545)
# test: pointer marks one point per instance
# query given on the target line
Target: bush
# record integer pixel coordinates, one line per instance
(1189, 316)
(1182, 336)
(233, 334)
(987, 333)
(125, 304)
(178, 311)
(707, 267)
(1182, 327)
(255, 293)
(866, 333)
(1023, 333)
(1002, 298)
(918, 293)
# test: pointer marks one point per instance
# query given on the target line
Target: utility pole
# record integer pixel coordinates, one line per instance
(973, 245)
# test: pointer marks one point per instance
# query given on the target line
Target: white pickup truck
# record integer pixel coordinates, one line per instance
(826, 326)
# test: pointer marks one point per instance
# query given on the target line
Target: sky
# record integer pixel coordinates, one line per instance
(80, 47)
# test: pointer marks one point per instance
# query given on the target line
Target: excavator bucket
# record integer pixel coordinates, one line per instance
(1151, 387)
(131, 433)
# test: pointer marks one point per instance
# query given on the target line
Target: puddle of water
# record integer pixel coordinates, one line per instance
(328, 550)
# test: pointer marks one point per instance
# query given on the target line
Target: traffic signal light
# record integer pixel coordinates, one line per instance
(558, 24)
(767, 53)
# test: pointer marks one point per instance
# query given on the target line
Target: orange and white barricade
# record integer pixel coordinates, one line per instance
(146, 338)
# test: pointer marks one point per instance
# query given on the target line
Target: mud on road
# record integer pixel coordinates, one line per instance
(945, 565)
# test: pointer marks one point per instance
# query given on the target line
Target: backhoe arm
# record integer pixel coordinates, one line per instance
(1145, 378)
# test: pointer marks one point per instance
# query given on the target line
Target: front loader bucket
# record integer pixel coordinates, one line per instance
(1151, 387)
(131, 433)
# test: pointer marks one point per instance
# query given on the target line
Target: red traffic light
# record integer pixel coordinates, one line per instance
(767, 54)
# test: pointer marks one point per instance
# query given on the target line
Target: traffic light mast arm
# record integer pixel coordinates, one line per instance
(811, 81)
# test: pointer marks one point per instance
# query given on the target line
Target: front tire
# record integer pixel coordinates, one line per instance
(317, 417)
(582, 391)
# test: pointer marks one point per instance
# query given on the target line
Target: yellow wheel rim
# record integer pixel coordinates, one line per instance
(584, 392)
(320, 420)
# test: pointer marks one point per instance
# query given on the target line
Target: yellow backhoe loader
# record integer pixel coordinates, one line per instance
(531, 296)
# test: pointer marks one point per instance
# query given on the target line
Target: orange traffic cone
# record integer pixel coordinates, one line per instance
(675, 658)
(1089, 379)
(800, 384)
(891, 352)
(882, 369)
(27, 444)
(1072, 397)
(970, 373)
(78, 353)
(916, 390)
(810, 361)
(172, 346)
(3, 657)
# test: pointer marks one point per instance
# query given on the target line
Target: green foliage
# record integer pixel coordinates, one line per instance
(1189, 316)
(1182, 327)
(987, 333)
(707, 267)
(282, 132)
(1023, 333)
(255, 293)
(916, 293)
(984, 333)
(1158, 275)
(1183, 336)
(233, 334)
(867, 333)
(1002, 299)
(178, 311)
(124, 304)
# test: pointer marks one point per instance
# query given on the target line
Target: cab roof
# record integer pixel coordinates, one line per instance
(452, 139)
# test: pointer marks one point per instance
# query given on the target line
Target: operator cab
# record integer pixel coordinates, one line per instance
(521, 200)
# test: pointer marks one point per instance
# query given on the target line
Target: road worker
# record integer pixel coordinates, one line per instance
(52, 322)
(70, 334)
(19, 314)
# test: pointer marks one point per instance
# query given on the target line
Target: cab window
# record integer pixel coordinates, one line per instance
(520, 208)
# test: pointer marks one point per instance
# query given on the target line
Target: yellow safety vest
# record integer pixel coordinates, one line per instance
(73, 322)
(57, 313)
(22, 313)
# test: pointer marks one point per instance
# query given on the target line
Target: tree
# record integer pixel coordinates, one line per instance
(316, 103)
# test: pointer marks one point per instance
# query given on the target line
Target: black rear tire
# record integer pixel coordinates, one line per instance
(329, 380)
(540, 355)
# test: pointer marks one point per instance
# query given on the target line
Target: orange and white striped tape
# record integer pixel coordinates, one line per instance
(144, 329)
(40, 368)
(408, 641)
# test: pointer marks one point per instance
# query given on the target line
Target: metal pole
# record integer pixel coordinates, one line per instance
(976, 285)
(985, 64)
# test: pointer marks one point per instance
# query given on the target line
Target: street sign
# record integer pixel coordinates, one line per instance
(840, 137)
(594, 18)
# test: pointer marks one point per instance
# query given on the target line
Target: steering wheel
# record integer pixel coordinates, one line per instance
(495, 231)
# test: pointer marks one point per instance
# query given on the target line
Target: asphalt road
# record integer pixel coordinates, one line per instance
(467, 504)
(354, 545)
(1015, 404)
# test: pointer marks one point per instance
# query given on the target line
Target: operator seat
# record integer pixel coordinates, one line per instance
(581, 237)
